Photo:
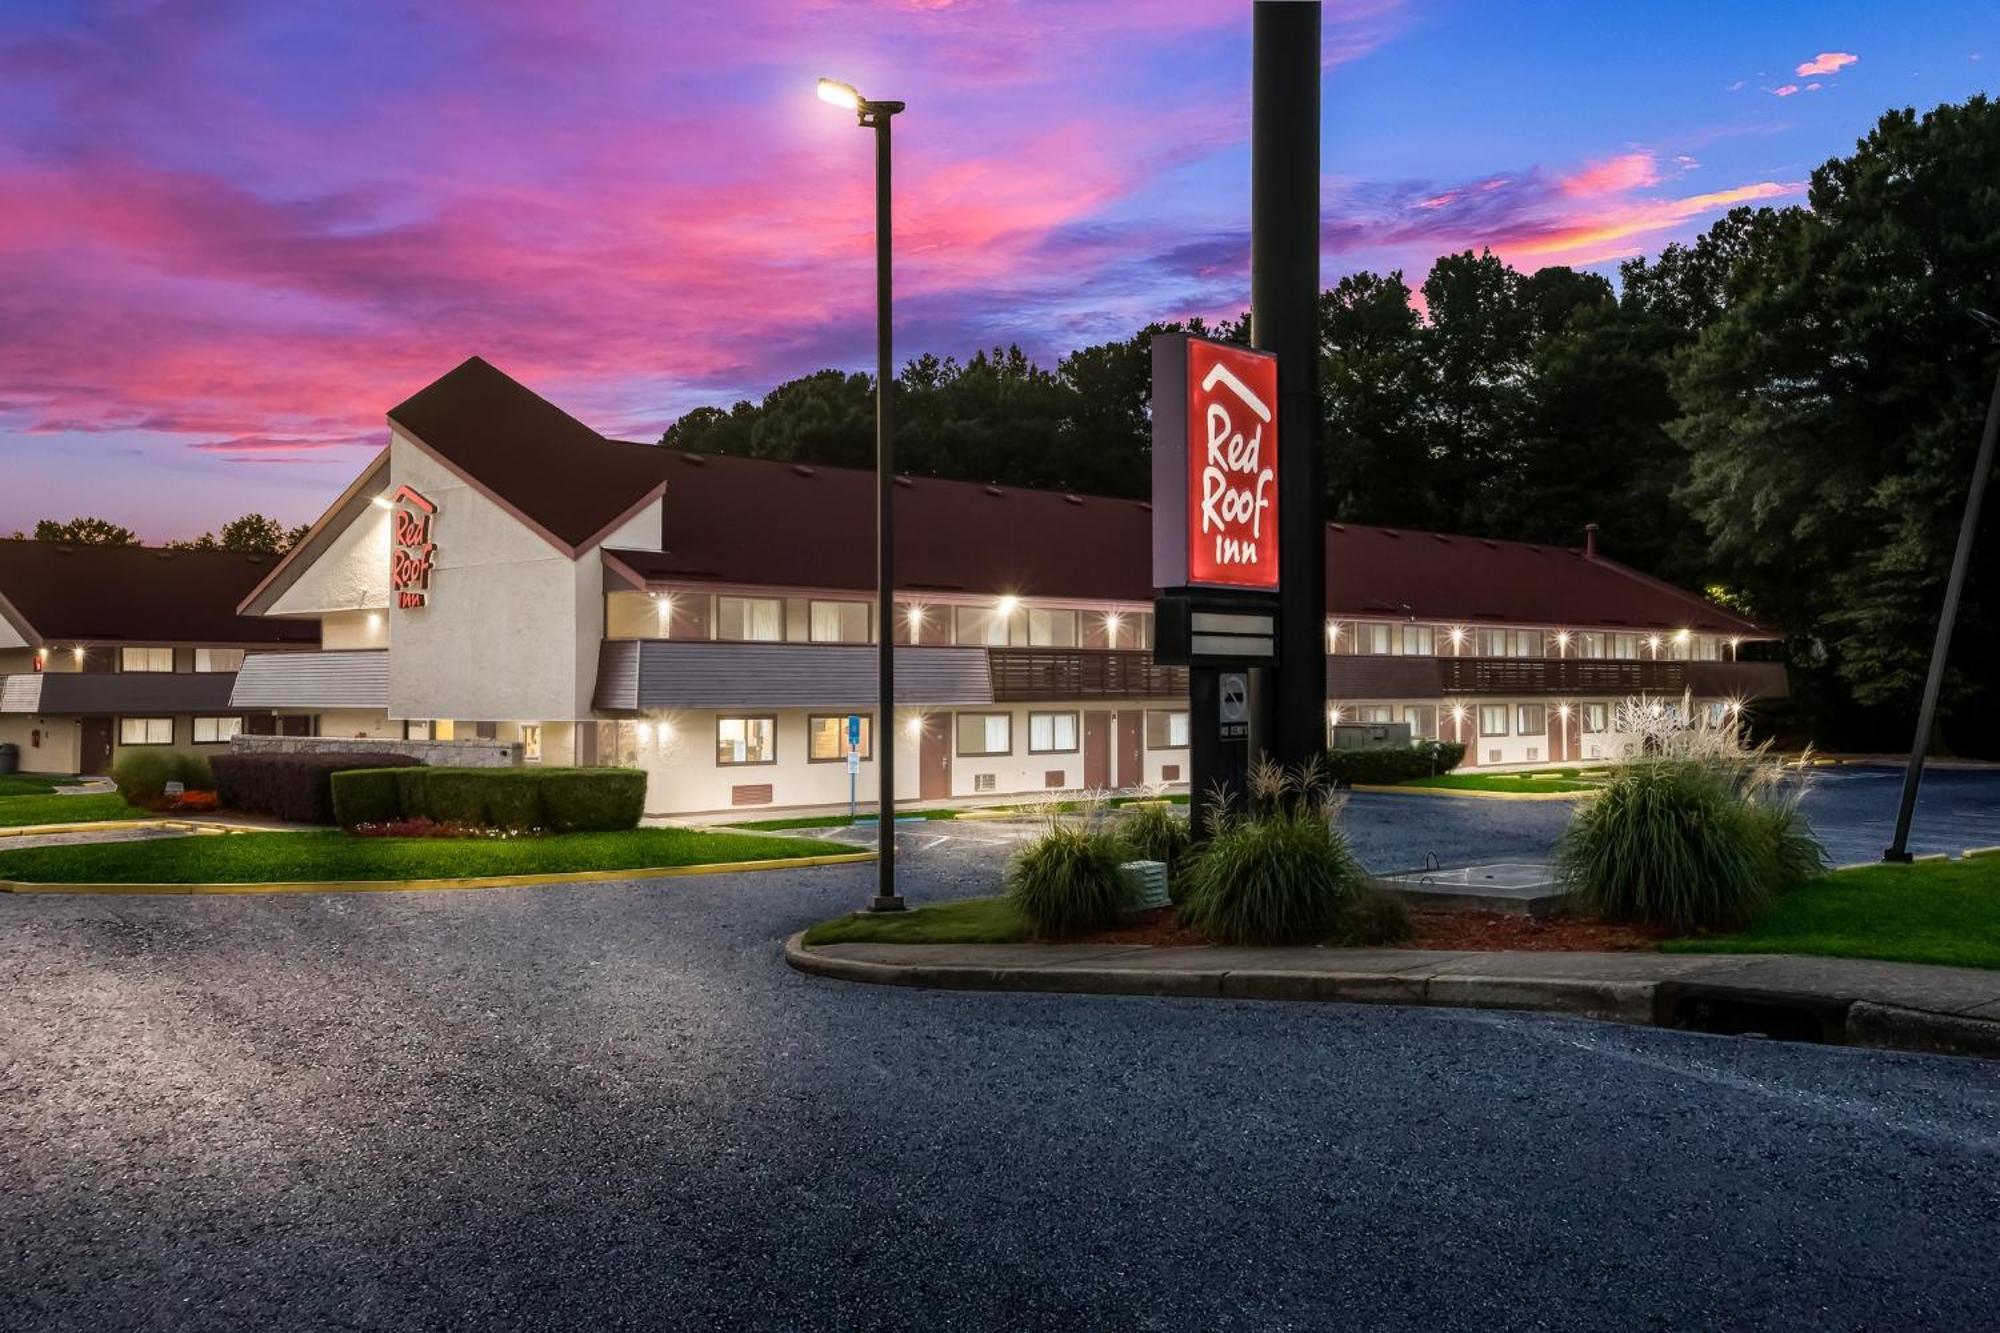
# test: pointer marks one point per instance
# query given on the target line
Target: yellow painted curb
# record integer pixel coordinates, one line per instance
(1982, 851)
(462, 882)
(1475, 795)
(87, 826)
(1002, 815)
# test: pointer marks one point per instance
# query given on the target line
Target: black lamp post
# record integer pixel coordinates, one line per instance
(876, 116)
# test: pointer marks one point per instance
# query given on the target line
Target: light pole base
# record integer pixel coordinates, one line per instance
(1897, 856)
(888, 902)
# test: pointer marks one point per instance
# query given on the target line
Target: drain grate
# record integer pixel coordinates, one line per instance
(1736, 1011)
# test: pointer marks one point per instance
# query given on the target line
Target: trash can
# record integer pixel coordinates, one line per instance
(10, 758)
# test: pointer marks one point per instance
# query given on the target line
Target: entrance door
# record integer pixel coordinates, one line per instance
(1131, 748)
(1097, 750)
(94, 753)
(934, 759)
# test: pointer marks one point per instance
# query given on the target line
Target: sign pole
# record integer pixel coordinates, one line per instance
(1284, 319)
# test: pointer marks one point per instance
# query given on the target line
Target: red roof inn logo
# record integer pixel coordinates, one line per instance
(411, 550)
(1215, 477)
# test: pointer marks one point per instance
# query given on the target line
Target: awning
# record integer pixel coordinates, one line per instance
(68, 692)
(646, 674)
(357, 678)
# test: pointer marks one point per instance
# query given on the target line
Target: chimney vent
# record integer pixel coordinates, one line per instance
(1590, 540)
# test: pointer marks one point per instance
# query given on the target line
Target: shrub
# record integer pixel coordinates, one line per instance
(1278, 872)
(1686, 842)
(193, 771)
(367, 795)
(1396, 764)
(1066, 881)
(1380, 918)
(142, 776)
(293, 787)
(592, 800)
(563, 800)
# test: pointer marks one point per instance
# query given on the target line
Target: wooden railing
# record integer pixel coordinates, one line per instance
(1385, 677)
(1022, 675)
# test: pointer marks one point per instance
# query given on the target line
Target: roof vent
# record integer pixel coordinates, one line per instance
(994, 491)
(1387, 533)
(1489, 545)
(1336, 527)
(905, 482)
(1440, 537)
(1146, 505)
(695, 459)
(804, 471)
(1073, 499)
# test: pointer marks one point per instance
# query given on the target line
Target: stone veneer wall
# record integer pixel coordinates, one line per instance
(436, 754)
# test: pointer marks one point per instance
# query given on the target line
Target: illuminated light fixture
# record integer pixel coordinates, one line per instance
(645, 733)
(1457, 634)
(1459, 713)
(915, 726)
(1681, 636)
(1562, 639)
(1112, 620)
(1333, 715)
(836, 93)
(1007, 605)
(374, 620)
(1653, 643)
(1562, 711)
(915, 615)
(77, 652)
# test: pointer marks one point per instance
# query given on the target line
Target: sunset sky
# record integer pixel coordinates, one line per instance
(234, 232)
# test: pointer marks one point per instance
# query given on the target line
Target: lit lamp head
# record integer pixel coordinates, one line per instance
(844, 95)
(1007, 605)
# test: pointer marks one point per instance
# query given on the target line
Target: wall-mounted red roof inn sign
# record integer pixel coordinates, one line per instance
(1215, 465)
(411, 548)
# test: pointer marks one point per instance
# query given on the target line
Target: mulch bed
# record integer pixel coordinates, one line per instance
(1483, 932)
(1477, 932)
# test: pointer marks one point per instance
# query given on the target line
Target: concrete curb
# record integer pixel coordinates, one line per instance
(87, 826)
(1470, 795)
(461, 882)
(1856, 1016)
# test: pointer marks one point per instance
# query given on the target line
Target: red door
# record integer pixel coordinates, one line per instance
(1131, 748)
(934, 759)
(94, 752)
(1097, 750)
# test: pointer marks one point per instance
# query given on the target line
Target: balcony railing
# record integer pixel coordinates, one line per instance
(1384, 677)
(1025, 675)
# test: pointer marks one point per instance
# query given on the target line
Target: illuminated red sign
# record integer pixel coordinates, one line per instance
(1215, 465)
(411, 548)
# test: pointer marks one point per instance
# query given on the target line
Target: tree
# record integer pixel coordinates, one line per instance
(252, 533)
(1832, 408)
(1377, 384)
(85, 532)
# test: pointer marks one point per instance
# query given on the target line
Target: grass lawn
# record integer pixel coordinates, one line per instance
(1559, 780)
(1932, 912)
(971, 921)
(32, 784)
(267, 858)
(835, 821)
(20, 811)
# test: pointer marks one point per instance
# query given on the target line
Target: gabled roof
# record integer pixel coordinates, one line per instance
(756, 521)
(537, 461)
(136, 594)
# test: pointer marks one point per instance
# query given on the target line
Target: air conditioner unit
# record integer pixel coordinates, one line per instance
(1493, 757)
(1534, 753)
(984, 782)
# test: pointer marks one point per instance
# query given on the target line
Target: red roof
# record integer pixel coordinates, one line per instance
(760, 522)
(764, 522)
(138, 594)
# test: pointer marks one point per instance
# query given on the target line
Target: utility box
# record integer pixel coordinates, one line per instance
(1371, 735)
(10, 758)
(1145, 885)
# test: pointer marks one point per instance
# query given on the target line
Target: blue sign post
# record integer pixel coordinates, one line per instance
(853, 760)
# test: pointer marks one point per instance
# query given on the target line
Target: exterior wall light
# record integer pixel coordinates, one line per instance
(1007, 605)
(1333, 715)
(1112, 620)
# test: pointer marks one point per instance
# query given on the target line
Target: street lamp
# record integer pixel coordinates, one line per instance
(875, 116)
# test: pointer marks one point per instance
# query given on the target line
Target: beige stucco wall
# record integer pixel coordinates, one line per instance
(351, 574)
(56, 753)
(9, 636)
(683, 777)
(512, 627)
(354, 629)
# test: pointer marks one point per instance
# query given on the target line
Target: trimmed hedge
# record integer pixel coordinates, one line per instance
(1398, 764)
(562, 800)
(293, 787)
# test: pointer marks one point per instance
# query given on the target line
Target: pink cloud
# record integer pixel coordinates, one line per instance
(1784, 90)
(1613, 175)
(1826, 62)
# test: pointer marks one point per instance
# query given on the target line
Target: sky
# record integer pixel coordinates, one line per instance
(233, 233)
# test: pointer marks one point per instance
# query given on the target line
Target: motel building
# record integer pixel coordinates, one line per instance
(503, 581)
(106, 649)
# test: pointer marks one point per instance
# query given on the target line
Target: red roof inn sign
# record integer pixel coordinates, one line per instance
(1215, 465)
(411, 549)
(1215, 503)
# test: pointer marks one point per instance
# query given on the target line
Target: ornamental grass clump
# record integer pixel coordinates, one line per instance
(1157, 833)
(1693, 832)
(1066, 881)
(1277, 871)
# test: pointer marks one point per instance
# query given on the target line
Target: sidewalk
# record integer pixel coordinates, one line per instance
(1891, 1006)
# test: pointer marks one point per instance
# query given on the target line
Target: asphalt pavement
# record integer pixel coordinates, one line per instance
(614, 1106)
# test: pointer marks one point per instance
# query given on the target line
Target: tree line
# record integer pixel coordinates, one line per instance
(1783, 413)
(252, 533)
